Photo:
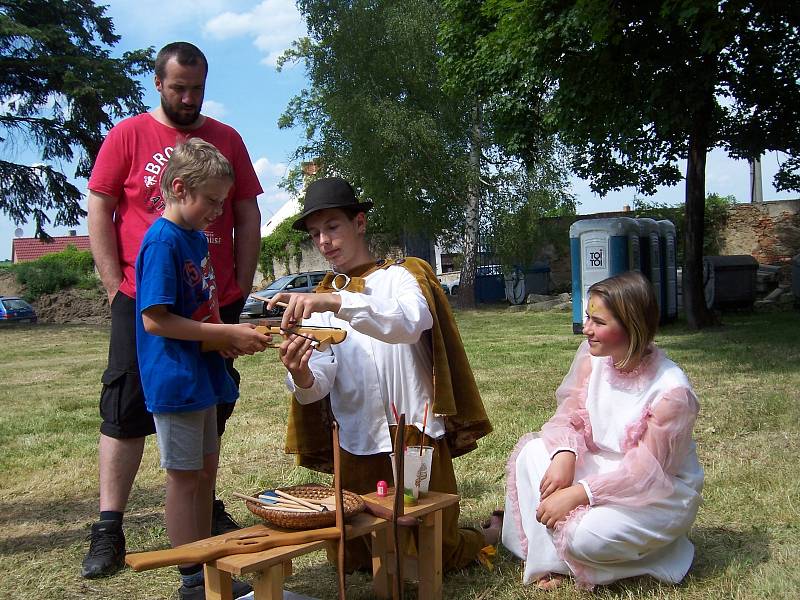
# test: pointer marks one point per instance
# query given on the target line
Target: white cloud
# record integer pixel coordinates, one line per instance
(277, 199)
(270, 174)
(273, 25)
(214, 109)
(267, 169)
(159, 20)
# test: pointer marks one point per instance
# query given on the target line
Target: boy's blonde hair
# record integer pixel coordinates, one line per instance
(195, 161)
(631, 299)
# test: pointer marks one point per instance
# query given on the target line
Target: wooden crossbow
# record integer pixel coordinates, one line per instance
(323, 337)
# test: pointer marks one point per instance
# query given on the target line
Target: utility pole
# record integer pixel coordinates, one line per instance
(756, 191)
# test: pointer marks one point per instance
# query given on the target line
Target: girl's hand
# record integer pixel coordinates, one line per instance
(295, 352)
(559, 504)
(559, 475)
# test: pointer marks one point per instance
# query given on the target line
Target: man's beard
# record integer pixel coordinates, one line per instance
(179, 118)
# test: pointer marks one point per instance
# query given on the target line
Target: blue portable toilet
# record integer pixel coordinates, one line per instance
(669, 271)
(599, 248)
(650, 247)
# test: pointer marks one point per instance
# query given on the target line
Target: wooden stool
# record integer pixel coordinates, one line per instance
(271, 567)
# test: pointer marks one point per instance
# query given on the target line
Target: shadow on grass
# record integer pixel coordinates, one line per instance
(54, 536)
(717, 548)
(761, 343)
(62, 523)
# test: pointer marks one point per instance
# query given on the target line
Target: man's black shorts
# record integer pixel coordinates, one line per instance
(229, 314)
(122, 407)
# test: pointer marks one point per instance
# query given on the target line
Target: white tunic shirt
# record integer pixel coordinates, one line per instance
(386, 357)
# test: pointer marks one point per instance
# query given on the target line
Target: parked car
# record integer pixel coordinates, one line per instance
(256, 304)
(451, 286)
(16, 309)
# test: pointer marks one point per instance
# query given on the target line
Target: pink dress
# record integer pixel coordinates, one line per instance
(632, 435)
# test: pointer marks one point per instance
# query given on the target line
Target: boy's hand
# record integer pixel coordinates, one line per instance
(295, 352)
(559, 475)
(559, 504)
(302, 306)
(244, 339)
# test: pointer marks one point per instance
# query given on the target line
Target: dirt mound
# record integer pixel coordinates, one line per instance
(8, 284)
(74, 306)
(65, 306)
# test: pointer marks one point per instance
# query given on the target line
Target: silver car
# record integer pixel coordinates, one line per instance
(256, 304)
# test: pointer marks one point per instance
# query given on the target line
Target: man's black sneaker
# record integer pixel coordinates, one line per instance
(221, 521)
(198, 592)
(106, 553)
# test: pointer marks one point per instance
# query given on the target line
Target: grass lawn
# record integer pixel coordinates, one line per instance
(747, 535)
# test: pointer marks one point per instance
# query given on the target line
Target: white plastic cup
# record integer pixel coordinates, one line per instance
(416, 470)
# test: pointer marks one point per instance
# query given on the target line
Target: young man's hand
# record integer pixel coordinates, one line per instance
(295, 352)
(302, 306)
(559, 504)
(244, 339)
(559, 475)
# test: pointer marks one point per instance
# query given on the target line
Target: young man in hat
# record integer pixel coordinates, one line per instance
(402, 348)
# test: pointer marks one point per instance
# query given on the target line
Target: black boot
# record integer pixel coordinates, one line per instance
(106, 553)
(221, 521)
(198, 592)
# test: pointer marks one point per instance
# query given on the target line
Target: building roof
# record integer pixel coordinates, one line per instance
(290, 208)
(26, 249)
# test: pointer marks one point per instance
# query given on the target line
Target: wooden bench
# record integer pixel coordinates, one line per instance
(271, 567)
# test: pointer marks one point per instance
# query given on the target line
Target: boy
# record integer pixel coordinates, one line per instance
(177, 308)
(400, 331)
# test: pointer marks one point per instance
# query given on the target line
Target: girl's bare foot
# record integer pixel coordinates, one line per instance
(550, 581)
(492, 528)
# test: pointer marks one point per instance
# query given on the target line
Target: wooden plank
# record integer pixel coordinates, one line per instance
(430, 557)
(218, 583)
(268, 584)
(239, 564)
(381, 562)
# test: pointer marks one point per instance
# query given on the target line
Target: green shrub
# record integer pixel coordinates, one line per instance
(714, 218)
(53, 272)
(283, 244)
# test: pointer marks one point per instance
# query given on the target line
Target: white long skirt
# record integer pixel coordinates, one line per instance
(604, 543)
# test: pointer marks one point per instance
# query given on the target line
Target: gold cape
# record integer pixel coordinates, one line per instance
(456, 395)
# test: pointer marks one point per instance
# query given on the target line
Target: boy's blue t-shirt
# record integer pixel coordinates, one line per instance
(173, 269)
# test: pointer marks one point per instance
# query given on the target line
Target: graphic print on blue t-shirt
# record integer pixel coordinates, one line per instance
(173, 270)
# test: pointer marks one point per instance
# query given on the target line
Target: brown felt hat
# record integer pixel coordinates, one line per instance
(331, 192)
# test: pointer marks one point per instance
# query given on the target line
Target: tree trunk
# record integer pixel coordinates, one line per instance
(698, 314)
(466, 286)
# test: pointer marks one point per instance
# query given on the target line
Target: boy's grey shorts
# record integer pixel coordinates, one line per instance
(184, 438)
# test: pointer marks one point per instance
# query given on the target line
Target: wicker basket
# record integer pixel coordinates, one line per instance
(353, 504)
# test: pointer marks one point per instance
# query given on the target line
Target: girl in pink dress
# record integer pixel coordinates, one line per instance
(610, 486)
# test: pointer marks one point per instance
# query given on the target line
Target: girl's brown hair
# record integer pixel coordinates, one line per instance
(631, 299)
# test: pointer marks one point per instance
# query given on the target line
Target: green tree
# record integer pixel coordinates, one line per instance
(60, 90)
(283, 244)
(378, 114)
(518, 226)
(632, 87)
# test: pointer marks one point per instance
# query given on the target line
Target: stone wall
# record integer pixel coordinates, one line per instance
(768, 231)
(312, 260)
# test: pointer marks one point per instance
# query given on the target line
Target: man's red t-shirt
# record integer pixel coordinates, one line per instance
(129, 168)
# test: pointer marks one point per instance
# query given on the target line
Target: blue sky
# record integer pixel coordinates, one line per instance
(241, 39)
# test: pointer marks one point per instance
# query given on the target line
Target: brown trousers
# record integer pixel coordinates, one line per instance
(360, 474)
